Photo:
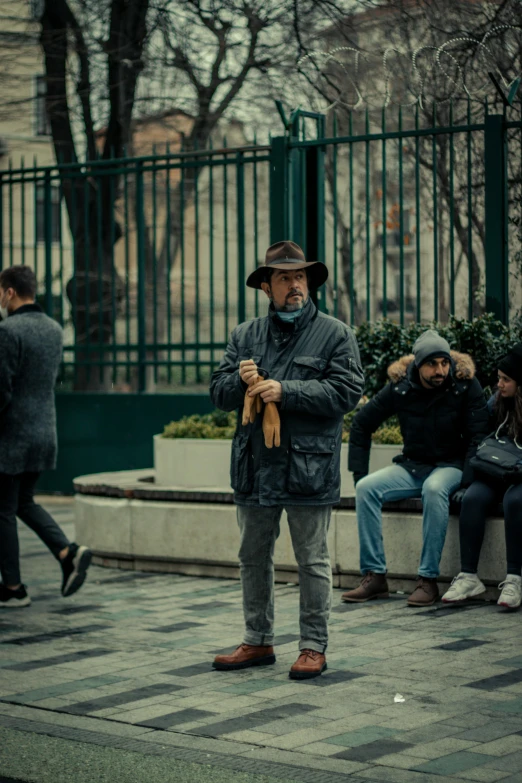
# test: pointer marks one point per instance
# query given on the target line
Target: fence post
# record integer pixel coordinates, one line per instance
(241, 259)
(48, 229)
(279, 191)
(141, 269)
(496, 213)
(315, 214)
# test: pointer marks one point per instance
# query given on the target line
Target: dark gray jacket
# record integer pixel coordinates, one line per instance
(30, 356)
(316, 359)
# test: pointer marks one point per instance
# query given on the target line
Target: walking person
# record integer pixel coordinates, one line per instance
(303, 367)
(443, 416)
(30, 357)
(494, 485)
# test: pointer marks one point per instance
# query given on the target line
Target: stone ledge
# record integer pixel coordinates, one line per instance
(195, 533)
(140, 485)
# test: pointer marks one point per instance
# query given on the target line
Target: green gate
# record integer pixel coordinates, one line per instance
(143, 260)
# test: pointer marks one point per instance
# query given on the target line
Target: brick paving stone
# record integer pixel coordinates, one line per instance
(453, 763)
(137, 648)
(482, 775)
(441, 747)
(511, 762)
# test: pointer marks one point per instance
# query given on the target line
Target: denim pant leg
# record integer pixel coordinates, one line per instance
(37, 518)
(259, 529)
(393, 483)
(9, 547)
(309, 530)
(436, 492)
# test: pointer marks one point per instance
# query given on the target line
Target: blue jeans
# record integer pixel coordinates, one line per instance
(396, 483)
(259, 528)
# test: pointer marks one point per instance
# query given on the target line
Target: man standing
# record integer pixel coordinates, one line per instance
(443, 417)
(30, 357)
(307, 364)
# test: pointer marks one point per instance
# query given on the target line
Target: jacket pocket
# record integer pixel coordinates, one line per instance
(309, 367)
(311, 464)
(241, 464)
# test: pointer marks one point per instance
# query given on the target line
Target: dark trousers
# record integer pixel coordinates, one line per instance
(480, 501)
(17, 500)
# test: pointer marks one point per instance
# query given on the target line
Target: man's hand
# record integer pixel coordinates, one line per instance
(270, 391)
(247, 371)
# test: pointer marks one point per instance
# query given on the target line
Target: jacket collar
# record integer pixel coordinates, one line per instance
(27, 308)
(277, 325)
(460, 375)
(462, 369)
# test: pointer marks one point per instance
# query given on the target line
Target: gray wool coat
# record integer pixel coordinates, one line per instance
(30, 357)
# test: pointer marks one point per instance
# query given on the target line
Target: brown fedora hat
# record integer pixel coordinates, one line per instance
(288, 255)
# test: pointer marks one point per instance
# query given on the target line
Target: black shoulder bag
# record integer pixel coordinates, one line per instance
(500, 457)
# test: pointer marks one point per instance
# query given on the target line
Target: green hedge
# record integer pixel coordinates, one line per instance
(381, 343)
(219, 426)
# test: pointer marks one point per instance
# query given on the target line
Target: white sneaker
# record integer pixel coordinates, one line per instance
(511, 595)
(463, 586)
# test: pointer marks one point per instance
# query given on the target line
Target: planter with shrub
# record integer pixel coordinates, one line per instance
(194, 452)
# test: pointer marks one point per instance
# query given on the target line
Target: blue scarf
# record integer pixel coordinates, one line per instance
(289, 317)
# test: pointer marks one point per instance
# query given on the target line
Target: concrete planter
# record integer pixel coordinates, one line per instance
(194, 463)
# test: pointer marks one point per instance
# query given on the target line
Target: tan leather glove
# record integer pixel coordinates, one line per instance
(251, 405)
(271, 425)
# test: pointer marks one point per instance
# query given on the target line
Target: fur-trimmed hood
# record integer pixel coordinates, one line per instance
(463, 364)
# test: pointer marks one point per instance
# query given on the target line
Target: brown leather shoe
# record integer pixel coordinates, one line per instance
(425, 594)
(372, 586)
(309, 664)
(244, 656)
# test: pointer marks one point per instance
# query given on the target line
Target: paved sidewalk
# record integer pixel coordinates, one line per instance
(123, 669)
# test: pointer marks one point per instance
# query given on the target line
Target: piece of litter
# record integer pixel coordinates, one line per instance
(399, 699)
(401, 592)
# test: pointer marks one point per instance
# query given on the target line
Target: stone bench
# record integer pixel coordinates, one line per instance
(131, 522)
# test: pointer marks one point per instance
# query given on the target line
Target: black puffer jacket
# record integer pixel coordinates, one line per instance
(316, 359)
(440, 427)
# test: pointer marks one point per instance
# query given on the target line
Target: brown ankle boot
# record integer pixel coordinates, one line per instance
(309, 664)
(244, 656)
(372, 586)
(425, 594)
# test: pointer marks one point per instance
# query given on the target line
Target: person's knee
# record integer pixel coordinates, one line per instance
(512, 503)
(436, 492)
(366, 488)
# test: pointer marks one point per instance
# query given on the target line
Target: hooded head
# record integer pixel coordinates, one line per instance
(430, 345)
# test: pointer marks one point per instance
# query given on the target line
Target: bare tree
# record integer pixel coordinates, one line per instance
(438, 53)
(118, 31)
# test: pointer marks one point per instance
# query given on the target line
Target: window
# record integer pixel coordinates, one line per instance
(43, 126)
(55, 214)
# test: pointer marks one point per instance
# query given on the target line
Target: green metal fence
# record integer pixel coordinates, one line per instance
(415, 213)
(144, 260)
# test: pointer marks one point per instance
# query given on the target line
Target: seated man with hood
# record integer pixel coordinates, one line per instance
(443, 417)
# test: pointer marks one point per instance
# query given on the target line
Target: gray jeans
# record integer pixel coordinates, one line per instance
(259, 527)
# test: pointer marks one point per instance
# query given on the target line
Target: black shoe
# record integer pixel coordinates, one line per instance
(74, 567)
(14, 599)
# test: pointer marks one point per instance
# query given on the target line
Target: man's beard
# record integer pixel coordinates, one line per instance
(435, 382)
(290, 307)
